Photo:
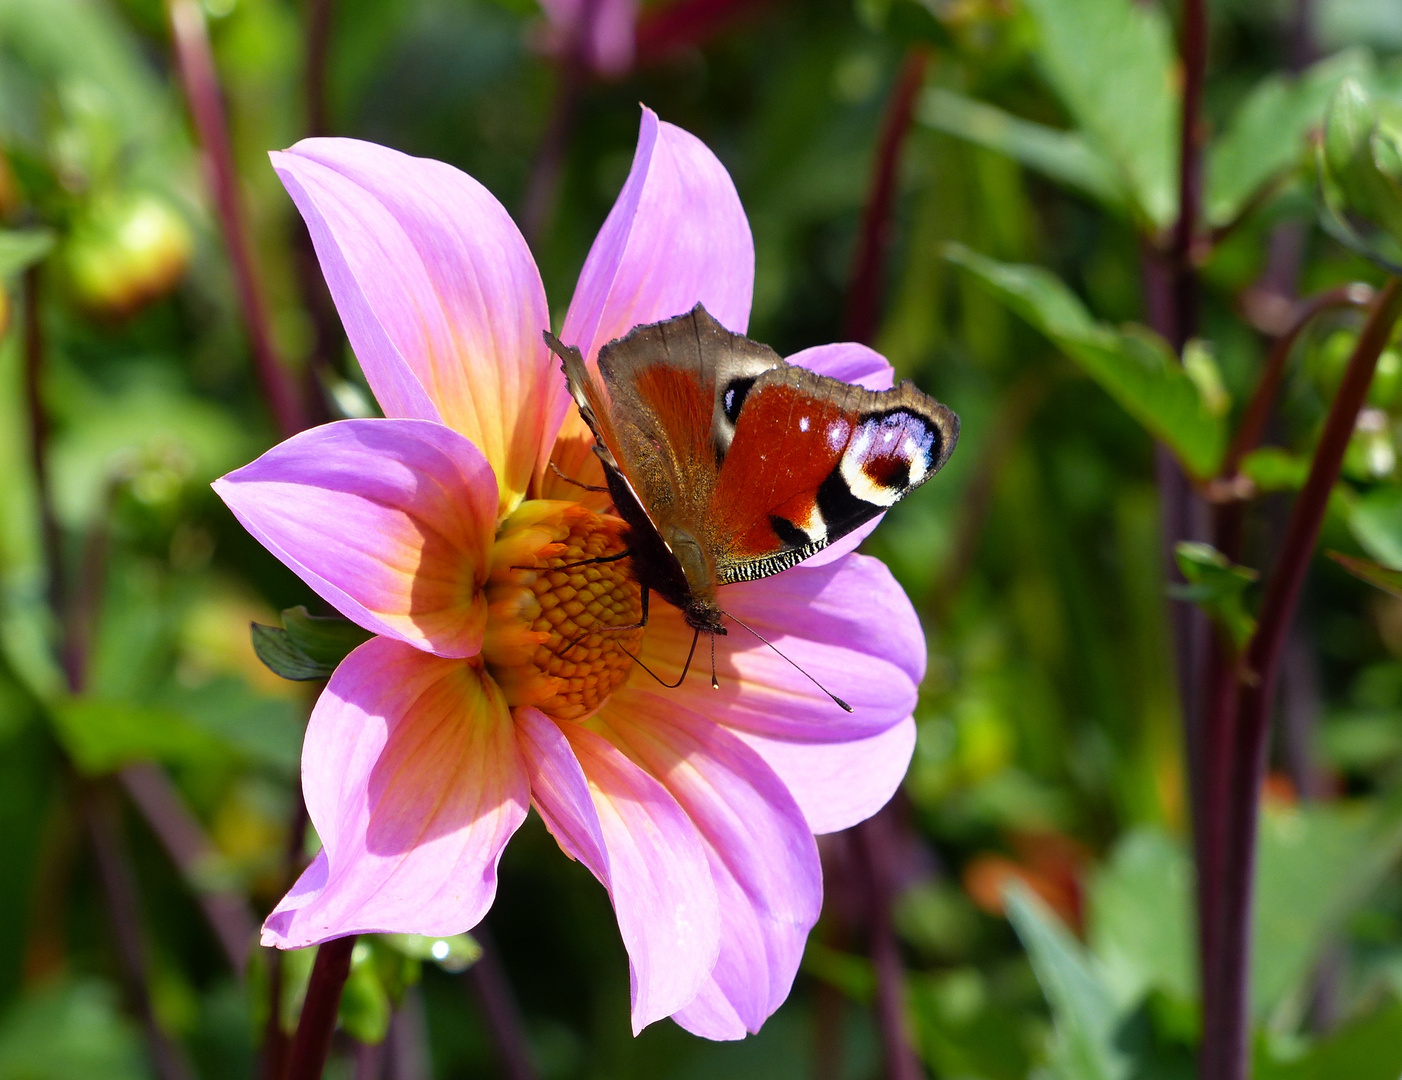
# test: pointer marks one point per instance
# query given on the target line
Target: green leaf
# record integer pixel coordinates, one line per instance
(71, 1030)
(1083, 1007)
(1139, 921)
(1218, 586)
(1359, 163)
(1266, 135)
(1135, 366)
(310, 646)
(365, 1004)
(101, 736)
(1317, 863)
(21, 248)
(453, 954)
(1376, 523)
(1384, 577)
(1063, 156)
(1273, 469)
(1367, 1049)
(1112, 64)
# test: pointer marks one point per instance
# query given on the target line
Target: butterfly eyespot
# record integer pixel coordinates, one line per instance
(733, 400)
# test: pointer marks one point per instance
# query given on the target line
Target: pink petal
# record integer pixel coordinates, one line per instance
(390, 521)
(414, 783)
(439, 294)
(849, 625)
(622, 824)
(762, 855)
(850, 362)
(839, 784)
(677, 235)
(853, 363)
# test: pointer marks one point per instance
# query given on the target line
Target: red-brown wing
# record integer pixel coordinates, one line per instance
(813, 458)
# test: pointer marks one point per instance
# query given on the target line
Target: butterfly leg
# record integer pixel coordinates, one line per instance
(571, 480)
(610, 629)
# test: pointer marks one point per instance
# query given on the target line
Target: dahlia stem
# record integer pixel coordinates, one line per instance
(492, 990)
(312, 1042)
(1226, 1002)
(276, 1044)
(202, 94)
(872, 852)
(874, 233)
(188, 846)
(369, 1061)
(118, 879)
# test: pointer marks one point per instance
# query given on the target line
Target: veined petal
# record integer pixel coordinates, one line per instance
(414, 782)
(761, 851)
(677, 235)
(439, 294)
(624, 826)
(848, 625)
(853, 363)
(390, 521)
(839, 784)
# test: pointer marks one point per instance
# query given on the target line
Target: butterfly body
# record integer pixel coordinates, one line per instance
(729, 464)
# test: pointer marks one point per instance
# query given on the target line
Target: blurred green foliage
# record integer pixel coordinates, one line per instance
(1045, 910)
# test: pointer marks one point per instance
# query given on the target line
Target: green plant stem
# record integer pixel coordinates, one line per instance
(312, 1042)
(200, 80)
(1226, 998)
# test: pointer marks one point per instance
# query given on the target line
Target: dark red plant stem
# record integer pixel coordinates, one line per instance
(34, 347)
(369, 1061)
(408, 1056)
(1258, 411)
(312, 1042)
(276, 1044)
(667, 29)
(318, 15)
(492, 991)
(201, 82)
(870, 845)
(189, 847)
(544, 181)
(1226, 1003)
(1192, 135)
(874, 231)
(118, 880)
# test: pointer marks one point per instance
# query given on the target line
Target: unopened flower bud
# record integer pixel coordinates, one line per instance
(126, 252)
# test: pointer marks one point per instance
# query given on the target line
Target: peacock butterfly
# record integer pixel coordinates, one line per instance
(729, 464)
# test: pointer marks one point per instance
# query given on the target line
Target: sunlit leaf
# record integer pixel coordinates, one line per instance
(1112, 63)
(1218, 586)
(20, 249)
(1266, 135)
(101, 736)
(454, 954)
(1317, 863)
(1384, 577)
(1083, 1007)
(1139, 918)
(1063, 156)
(1376, 523)
(1133, 365)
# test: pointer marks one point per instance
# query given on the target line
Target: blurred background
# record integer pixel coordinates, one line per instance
(159, 293)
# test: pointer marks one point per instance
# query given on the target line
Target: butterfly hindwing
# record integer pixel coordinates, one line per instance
(811, 460)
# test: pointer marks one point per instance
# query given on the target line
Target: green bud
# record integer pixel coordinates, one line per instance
(1360, 174)
(125, 252)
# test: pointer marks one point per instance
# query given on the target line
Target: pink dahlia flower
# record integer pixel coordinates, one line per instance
(437, 527)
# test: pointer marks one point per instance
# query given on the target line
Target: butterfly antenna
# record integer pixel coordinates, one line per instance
(842, 704)
(685, 667)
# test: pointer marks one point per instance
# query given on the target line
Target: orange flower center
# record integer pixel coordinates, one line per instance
(552, 611)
